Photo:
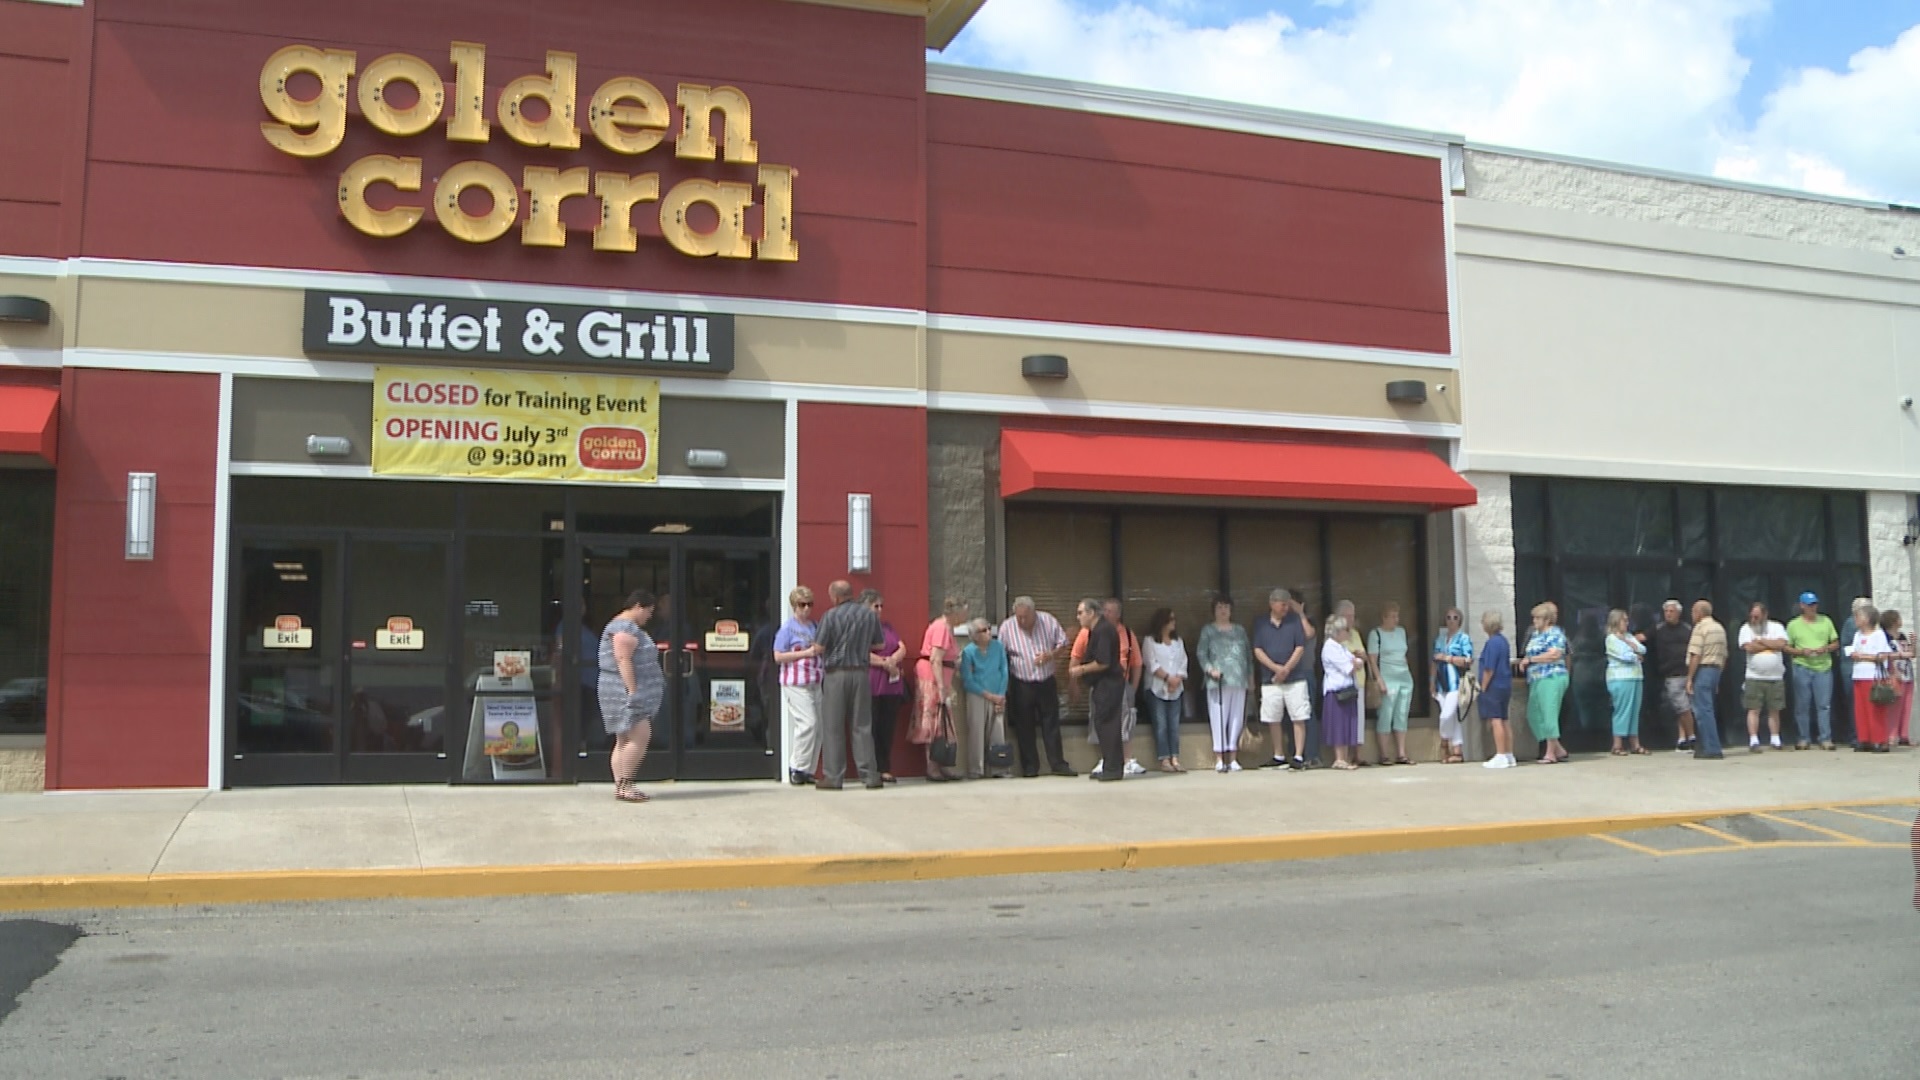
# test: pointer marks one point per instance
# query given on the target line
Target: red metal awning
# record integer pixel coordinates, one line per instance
(28, 420)
(1157, 465)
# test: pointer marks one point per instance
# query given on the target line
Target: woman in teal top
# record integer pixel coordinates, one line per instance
(1624, 657)
(983, 676)
(1545, 663)
(1227, 660)
(1387, 657)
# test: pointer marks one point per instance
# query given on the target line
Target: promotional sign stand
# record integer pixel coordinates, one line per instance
(504, 726)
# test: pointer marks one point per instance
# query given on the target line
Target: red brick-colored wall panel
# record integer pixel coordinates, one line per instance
(34, 91)
(124, 722)
(145, 624)
(43, 119)
(181, 172)
(1126, 222)
(30, 229)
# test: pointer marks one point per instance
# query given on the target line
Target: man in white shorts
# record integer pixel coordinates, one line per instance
(1280, 649)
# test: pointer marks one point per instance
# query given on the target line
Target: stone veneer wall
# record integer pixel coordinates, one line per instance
(1892, 560)
(23, 768)
(963, 512)
(1694, 203)
(1488, 528)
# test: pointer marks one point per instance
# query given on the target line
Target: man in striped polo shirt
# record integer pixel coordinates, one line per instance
(798, 655)
(1034, 639)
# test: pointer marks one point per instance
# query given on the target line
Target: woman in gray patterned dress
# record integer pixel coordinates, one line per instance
(631, 689)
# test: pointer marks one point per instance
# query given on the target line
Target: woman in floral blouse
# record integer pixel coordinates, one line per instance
(1545, 663)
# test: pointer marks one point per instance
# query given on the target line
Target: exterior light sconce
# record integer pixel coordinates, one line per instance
(25, 309)
(1043, 366)
(329, 446)
(859, 534)
(140, 511)
(1407, 392)
(706, 459)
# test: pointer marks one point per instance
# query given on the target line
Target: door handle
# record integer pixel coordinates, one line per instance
(686, 664)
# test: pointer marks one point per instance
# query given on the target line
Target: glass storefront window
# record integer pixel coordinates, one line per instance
(343, 504)
(673, 512)
(26, 596)
(521, 508)
(1598, 517)
(1775, 526)
(1269, 551)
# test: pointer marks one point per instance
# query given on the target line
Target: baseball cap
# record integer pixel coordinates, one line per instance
(1809, 598)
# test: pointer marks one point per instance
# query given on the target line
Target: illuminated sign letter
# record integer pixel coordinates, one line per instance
(556, 89)
(399, 67)
(325, 115)
(402, 173)
(628, 115)
(546, 190)
(697, 105)
(468, 123)
(776, 225)
(618, 194)
(730, 201)
(491, 225)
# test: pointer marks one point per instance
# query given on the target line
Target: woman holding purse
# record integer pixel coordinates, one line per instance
(1873, 692)
(938, 658)
(1901, 640)
(1227, 659)
(1340, 715)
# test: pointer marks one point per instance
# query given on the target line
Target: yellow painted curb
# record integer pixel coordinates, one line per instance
(279, 886)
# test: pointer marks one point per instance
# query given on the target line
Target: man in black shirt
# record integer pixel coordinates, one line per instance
(1667, 641)
(1099, 671)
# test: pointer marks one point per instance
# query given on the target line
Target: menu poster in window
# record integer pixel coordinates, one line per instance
(726, 636)
(727, 705)
(511, 727)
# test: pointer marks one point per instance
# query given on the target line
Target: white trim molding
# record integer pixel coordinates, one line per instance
(1197, 340)
(32, 266)
(222, 603)
(311, 471)
(33, 358)
(1183, 110)
(1685, 473)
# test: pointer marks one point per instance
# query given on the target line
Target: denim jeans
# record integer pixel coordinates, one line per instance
(1706, 690)
(1812, 696)
(1166, 725)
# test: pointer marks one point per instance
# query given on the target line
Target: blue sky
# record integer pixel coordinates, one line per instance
(1771, 91)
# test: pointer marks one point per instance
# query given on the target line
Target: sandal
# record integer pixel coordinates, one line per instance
(1403, 761)
(629, 793)
(1618, 753)
(1343, 766)
(1639, 750)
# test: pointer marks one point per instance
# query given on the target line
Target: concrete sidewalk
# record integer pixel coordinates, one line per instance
(138, 836)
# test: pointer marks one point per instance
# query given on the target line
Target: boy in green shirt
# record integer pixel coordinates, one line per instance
(1811, 641)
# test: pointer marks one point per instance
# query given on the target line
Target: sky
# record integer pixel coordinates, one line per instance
(1814, 95)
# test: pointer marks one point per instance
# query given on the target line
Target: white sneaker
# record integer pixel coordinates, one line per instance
(1234, 767)
(1219, 766)
(1134, 768)
(1498, 761)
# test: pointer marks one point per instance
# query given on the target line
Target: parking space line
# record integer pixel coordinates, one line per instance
(1716, 833)
(1902, 822)
(1821, 829)
(1628, 844)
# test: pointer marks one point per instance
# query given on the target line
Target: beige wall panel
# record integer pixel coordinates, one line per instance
(55, 291)
(1145, 375)
(273, 417)
(226, 320)
(1594, 372)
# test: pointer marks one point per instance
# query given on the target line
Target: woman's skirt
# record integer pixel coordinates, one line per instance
(619, 711)
(927, 724)
(1340, 721)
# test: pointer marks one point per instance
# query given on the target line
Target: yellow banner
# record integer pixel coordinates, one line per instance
(515, 425)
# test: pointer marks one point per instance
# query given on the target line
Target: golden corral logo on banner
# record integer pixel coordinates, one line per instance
(515, 425)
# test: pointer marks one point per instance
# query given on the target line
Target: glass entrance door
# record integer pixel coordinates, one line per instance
(713, 628)
(338, 659)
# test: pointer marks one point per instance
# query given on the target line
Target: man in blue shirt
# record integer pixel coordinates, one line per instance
(1280, 651)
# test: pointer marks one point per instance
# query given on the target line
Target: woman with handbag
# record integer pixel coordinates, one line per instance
(1227, 659)
(1452, 657)
(1340, 712)
(1387, 659)
(933, 724)
(1873, 691)
(983, 677)
(1901, 640)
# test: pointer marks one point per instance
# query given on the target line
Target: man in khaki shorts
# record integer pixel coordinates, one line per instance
(1280, 650)
(1765, 689)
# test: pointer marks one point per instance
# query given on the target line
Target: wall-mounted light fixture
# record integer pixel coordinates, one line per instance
(1407, 392)
(1044, 366)
(859, 534)
(706, 459)
(329, 446)
(25, 309)
(140, 506)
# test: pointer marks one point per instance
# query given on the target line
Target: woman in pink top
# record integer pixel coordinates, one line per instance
(938, 655)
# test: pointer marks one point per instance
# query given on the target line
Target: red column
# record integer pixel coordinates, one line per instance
(129, 661)
(881, 451)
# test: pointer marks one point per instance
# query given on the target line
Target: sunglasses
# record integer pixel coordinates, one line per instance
(804, 604)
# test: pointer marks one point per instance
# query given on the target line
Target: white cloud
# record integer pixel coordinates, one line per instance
(1650, 82)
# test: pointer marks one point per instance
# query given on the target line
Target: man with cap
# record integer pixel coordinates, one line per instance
(1811, 642)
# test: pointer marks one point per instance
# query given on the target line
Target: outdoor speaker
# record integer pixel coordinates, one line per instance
(1407, 392)
(1043, 367)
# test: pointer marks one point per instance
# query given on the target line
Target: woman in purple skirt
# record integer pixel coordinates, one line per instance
(1340, 717)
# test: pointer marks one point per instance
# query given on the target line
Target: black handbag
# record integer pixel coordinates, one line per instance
(1346, 694)
(943, 751)
(999, 753)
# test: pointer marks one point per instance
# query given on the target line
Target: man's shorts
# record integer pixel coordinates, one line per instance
(1678, 699)
(1277, 702)
(1766, 694)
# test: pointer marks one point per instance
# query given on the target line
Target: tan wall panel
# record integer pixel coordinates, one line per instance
(230, 320)
(273, 417)
(55, 291)
(990, 364)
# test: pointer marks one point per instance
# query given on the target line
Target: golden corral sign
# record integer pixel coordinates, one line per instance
(515, 425)
(626, 115)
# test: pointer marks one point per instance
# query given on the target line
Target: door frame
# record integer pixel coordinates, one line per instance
(675, 760)
(333, 645)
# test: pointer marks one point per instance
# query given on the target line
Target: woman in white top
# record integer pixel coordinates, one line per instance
(1164, 656)
(1870, 653)
(1340, 715)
